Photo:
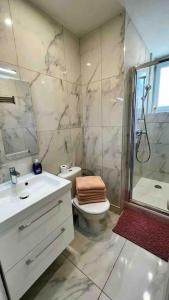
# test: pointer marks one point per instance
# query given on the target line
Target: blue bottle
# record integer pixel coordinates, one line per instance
(37, 167)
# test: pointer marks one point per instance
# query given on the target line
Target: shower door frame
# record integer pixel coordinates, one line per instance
(132, 129)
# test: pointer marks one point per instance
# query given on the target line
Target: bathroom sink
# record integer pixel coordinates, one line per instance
(29, 190)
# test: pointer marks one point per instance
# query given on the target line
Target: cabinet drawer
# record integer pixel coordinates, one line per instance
(23, 237)
(24, 273)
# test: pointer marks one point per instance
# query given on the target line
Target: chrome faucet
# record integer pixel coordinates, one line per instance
(13, 175)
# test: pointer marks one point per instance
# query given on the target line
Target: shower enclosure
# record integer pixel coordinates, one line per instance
(149, 144)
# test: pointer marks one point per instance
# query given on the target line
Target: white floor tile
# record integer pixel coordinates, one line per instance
(137, 275)
(103, 297)
(66, 282)
(95, 258)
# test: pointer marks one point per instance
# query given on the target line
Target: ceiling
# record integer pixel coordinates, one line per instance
(80, 16)
(151, 17)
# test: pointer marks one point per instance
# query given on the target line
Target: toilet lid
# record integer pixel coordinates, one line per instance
(93, 208)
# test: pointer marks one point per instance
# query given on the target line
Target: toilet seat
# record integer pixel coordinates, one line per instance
(92, 208)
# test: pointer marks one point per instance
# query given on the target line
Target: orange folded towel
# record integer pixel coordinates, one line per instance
(89, 202)
(91, 197)
(89, 183)
(90, 189)
(91, 192)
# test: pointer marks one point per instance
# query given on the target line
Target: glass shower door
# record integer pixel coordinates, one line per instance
(150, 179)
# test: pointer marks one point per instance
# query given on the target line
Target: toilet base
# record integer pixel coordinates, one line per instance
(91, 224)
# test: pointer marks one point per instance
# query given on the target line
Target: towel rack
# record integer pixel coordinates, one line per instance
(7, 99)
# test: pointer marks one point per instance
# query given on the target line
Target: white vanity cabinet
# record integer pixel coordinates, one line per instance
(32, 240)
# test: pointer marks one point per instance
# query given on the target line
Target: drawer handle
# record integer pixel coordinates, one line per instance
(22, 227)
(31, 260)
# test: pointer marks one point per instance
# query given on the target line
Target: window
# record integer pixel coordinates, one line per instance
(161, 88)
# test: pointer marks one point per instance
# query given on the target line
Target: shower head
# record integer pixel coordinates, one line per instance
(147, 89)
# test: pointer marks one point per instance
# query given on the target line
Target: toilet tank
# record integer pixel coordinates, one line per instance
(71, 175)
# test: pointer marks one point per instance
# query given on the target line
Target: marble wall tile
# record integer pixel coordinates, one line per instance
(112, 39)
(50, 102)
(112, 101)
(158, 133)
(158, 117)
(7, 49)
(90, 50)
(103, 100)
(72, 56)
(162, 149)
(112, 147)
(75, 104)
(112, 179)
(90, 41)
(41, 48)
(91, 97)
(93, 149)
(55, 149)
(77, 146)
(90, 66)
(157, 167)
(136, 51)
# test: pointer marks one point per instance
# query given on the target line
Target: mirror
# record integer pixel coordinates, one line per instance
(18, 136)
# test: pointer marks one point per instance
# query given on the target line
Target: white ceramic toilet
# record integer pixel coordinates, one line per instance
(90, 216)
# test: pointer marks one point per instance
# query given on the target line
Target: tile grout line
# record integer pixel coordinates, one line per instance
(101, 289)
(67, 258)
(114, 267)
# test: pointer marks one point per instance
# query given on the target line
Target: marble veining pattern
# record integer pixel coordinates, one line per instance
(102, 68)
(112, 147)
(91, 97)
(112, 40)
(72, 57)
(55, 149)
(47, 56)
(7, 49)
(65, 282)
(87, 260)
(112, 179)
(44, 34)
(132, 274)
(93, 149)
(112, 101)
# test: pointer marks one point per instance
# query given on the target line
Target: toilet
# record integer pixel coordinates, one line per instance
(91, 216)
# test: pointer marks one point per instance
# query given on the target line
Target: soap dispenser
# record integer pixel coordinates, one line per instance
(37, 167)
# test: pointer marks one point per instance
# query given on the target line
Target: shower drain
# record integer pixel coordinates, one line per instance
(157, 186)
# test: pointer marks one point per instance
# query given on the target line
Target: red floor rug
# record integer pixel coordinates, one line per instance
(145, 231)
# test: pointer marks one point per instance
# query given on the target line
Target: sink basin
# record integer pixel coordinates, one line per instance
(29, 190)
